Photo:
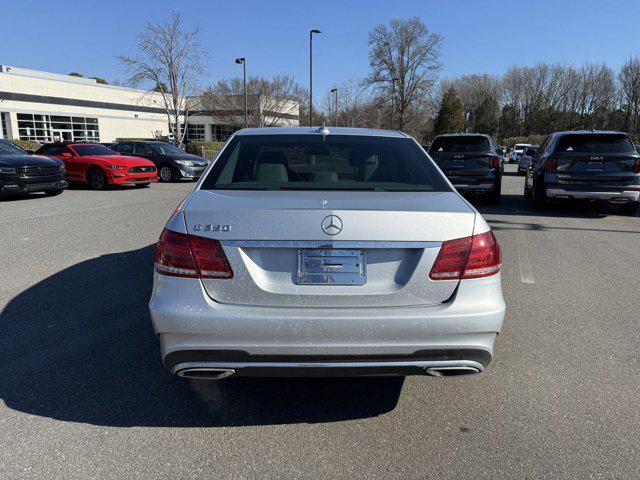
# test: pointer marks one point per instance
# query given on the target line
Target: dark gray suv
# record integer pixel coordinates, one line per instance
(470, 162)
(586, 165)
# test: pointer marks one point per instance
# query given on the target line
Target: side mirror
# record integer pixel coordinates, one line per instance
(67, 155)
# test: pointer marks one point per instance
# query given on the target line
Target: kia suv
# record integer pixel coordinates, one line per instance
(470, 162)
(312, 252)
(172, 163)
(586, 165)
(21, 172)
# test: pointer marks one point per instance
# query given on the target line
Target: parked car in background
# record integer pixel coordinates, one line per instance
(586, 165)
(334, 251)
(111, 145)
(501, 155)
(22, 172)
(525, 159)
(470, 162)
(98, 166)
(172, 163)
(517, 150)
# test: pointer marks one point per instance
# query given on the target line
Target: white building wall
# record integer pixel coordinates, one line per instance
(112, 122)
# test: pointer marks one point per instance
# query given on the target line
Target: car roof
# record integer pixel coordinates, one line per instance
(461, 134)
(588, 132)
(367, 132)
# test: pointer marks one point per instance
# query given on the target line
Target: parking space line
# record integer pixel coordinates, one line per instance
(526, 275)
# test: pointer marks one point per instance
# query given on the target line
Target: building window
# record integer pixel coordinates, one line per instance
(195, 132)
(4, 120)
(51, 128)
(220, 133)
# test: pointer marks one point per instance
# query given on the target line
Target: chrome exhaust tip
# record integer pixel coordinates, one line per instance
(453, 371)
(205, 373)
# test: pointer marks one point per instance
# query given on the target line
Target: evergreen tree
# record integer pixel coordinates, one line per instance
(450, 117)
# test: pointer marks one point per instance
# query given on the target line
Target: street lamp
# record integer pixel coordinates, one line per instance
(242, 61)
(335, 90)
(311, 32)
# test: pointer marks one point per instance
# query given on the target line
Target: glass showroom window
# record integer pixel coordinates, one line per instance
(195, 132)
(221, 133)
(48, 128)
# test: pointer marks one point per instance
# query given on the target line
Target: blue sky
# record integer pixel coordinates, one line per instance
(479, 36)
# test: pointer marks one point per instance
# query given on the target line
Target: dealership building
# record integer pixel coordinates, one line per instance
(48, 107)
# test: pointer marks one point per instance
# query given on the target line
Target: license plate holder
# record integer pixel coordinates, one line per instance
(330, 266)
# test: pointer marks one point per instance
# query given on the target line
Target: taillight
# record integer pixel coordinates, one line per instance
(494, 162)
(469, 257)
(636, 165)
(551, 165)
(182, 255)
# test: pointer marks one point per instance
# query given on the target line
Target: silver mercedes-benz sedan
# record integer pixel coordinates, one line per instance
(325, 252)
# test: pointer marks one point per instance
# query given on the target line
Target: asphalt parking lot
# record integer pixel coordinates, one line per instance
(83, 393)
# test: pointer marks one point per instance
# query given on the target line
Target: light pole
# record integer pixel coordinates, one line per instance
(243, 61)
(311, 32)
(335, 90)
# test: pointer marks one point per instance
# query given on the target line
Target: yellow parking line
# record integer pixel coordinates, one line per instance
(526, 276)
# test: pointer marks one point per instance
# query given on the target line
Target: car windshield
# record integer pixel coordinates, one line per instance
(317, 162)
(165, 149)
(8, 148)
(598, 143)
(530, 152)
(90, 150)
(460, 144)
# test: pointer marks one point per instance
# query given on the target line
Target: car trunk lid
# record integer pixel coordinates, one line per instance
(281, 255)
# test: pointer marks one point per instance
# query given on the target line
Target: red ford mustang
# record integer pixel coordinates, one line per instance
(99, 166)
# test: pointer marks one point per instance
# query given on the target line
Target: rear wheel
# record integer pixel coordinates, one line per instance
(166, 174)
(494, 196)
(96, 179)
(538, 197)
(53, 193)
(629, 208)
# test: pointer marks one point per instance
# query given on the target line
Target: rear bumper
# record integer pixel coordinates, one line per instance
(481, 188)
(196, 331)
(614, 196)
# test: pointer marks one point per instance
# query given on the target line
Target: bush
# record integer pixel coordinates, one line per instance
(28, 145)
(204, 149)
(118, 140)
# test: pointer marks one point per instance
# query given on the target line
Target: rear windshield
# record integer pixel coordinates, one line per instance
(89, 150)
(460, 144)
(530, 151)
(314, 162)
(596, 143)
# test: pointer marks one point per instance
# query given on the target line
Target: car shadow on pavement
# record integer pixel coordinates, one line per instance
(79, 346)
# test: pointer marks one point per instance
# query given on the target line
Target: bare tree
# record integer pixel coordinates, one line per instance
(168, 64)
(629, 78)
(353, 99)
(271, 103)
(404, 59)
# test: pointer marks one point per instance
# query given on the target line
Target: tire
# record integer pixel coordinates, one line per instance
(142, 185)
(629, 208)
(538, 197)
(495, 196)
(96, 179)
(53, 193)
(166, 174)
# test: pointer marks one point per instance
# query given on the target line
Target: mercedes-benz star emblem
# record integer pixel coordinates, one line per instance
(332, 225)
